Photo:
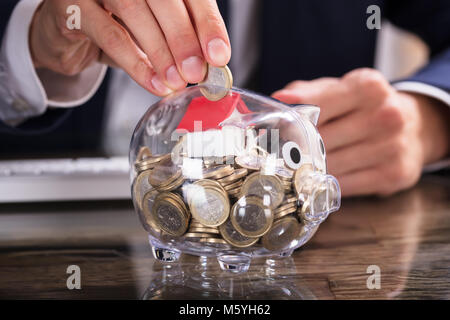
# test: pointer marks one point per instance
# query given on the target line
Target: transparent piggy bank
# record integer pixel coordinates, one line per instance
(237, 178)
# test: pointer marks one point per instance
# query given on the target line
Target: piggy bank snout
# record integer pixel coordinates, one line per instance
(323, 198)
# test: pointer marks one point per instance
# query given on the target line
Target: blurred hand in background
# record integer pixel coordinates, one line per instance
(377, 139)
(162, 45)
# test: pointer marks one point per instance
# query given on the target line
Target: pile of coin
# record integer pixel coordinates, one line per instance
(233, 203)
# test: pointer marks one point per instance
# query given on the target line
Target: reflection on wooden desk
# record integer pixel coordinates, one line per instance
(407, 236)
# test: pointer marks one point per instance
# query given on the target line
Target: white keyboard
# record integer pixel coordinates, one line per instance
(64, 179)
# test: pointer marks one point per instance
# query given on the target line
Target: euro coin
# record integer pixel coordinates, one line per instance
(170, 214)
(233, 185)
(217, 83)
(237, 175)
(269, 188)
(289, 198)
(285, 207)
(196, 235)
(172, 186)
(150, 162)
(250, 162)
(281, 235)
(165, 173)
(217, 172)
(204, 230)
(233, 237)
(144, 153)
(203, 183)
(147, 204)
(250, 217)
(141, 186)
(284, 173)
(285, 212)
(299, 176)
(209, 205)
(213, 241)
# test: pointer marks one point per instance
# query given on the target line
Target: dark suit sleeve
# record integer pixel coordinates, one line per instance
(48, 121)
(430, 20)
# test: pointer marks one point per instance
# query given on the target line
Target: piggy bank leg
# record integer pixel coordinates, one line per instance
(234, 262)
(164, 254)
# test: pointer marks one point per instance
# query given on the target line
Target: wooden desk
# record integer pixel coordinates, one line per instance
(407, 236)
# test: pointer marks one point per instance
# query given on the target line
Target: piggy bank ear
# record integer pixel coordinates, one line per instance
(310, 111)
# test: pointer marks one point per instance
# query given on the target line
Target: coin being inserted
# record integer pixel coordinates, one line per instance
(217, 84)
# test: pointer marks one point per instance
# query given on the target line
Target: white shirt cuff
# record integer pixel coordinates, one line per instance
(430, 91)
(25, 92)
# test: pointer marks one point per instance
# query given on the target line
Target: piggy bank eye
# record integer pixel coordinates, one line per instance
(292, 155)
(322, 147)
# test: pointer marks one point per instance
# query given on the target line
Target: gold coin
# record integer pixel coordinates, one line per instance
(217, 172)
(285, 206)
(233, 185)
(284, 173)
(144, 153)
(299, 176)
(209, 205)
(289, 198)
(147, 204)
(204, 230)
(213, 240)
(237, 175)
(172, 186)
(250, 217)
(150, 163)
(284, 213)
(140, 187)
(234, 193)
(170, 214)
(233, 237)
(165, 173)
(250, 161)
(217, 83)
(208, 183)
(281, 235)
(196, 235)
(266, 187)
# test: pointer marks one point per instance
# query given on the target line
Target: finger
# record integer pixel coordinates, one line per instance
(142, 25)
(115, 41)
(105, 59)
(346, 130)
(364, 182)
(174, 20)
(331, 95)
(360, 156)
(211, 31)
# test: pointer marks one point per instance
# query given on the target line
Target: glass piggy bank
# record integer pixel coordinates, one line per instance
(237, 178)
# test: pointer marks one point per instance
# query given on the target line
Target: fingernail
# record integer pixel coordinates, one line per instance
(193, 69)
(174, 79)
(218, 52)
(159, 86)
